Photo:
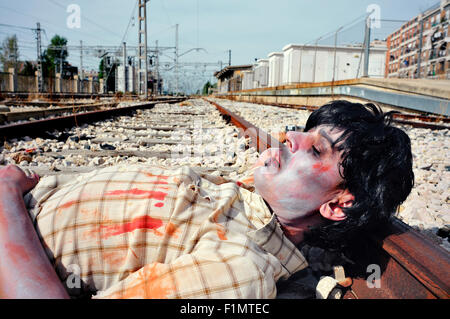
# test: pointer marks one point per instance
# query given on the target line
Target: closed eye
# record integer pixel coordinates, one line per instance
(316, 152)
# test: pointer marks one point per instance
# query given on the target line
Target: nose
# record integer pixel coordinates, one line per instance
(298, 141)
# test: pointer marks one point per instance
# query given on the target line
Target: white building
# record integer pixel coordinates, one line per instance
(247, 80)
(309, 63)
(275, 68)
(261, 74)
(128, 84)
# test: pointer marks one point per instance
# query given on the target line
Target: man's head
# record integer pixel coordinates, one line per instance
(349, 164)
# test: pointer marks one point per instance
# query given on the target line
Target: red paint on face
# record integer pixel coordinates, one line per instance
(320, 168)
(135, 191)
(159, 204)
(144, 222)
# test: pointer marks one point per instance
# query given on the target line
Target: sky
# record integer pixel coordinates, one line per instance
(251, 29)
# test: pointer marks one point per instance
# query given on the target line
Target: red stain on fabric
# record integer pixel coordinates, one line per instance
(89, 213)
(114, 258)
(68, 204)
(221, 232)
(158, 182)
(134, 254)
(248, 180)
(108, 229)
(152, 281)
(159, 204)
(157, 176)
(171, 229)
(134, 191)
(144, 222)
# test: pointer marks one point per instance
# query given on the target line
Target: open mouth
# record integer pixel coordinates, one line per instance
(273, 161)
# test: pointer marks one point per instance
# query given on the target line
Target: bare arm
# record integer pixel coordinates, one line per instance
(25, 270)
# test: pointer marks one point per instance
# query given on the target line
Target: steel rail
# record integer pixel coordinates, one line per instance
(415, 120)
(39, 127)
(414, 267)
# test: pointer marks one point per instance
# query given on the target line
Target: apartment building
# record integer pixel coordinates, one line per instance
(419, 48)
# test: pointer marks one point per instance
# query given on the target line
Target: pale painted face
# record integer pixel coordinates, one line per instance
(297, 179)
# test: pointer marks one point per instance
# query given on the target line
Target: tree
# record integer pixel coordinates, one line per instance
(9, 53)
(208, 86)
(108, 72)
(55, 56)
(28, 69)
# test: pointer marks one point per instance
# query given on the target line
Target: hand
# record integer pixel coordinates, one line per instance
(13, 176)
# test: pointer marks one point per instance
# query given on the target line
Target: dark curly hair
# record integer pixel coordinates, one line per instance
(376, 167)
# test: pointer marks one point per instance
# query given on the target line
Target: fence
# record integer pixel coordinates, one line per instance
(11, 82)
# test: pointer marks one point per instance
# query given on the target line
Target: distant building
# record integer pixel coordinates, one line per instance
(247, 79)
(275, 68)
(69, 71)
(230, 78)
(261, 73)
(419, 48)
(314, 63)
(126, 81)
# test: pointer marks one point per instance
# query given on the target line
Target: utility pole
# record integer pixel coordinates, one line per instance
(335, 49)
(176, 58)
(229, 57)
(39, 57)
(61, 61)
(125, 67)
(315, 58)
(81, 60)
(157, 68)
(142, 49)
(366, 48)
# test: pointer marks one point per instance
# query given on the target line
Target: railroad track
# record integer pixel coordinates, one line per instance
(91, 112)
(414, 267)
(415, 120)
(152, 130)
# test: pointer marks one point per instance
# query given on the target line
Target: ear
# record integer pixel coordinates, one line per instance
(333, 208)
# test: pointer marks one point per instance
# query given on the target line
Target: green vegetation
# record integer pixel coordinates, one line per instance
(9, 53)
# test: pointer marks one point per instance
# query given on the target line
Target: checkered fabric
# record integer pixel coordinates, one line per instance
(151, 232)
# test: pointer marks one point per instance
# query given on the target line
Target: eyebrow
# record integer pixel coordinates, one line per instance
(328, 138)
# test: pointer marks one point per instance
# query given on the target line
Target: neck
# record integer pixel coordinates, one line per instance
(294, 229)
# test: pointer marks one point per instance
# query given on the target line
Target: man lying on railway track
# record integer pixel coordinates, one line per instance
(150, 232)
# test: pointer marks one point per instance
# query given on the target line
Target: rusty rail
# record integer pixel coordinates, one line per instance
(414, 267)
(38, 127)
(415, 120)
